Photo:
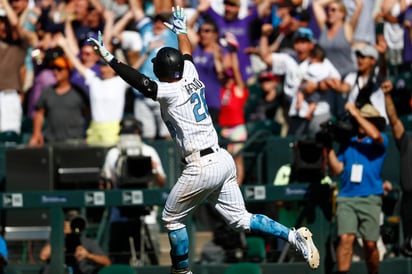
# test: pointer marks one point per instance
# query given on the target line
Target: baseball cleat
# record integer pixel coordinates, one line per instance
(304, 243)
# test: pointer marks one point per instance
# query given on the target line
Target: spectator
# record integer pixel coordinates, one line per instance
(403, 142)
(406, 20)
(65, 108)
(363, 86)
(283, 64)
(123, 222)
(267, 105)
(155, 36)
(43, 76)
(313, 105)
(233, 97)
(82, 254)
(337, 32)
(393, 32)
(359, 164)
(364, 31)
(15, 41)
(106, 93)
(337, 37)
(207, 55)
(4, 254)
(240, 27)
(299, 18)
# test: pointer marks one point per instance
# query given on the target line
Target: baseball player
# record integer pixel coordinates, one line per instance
(209, 171)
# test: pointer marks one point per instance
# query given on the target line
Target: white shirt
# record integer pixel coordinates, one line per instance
(107, 97)
(284, 64)
(377, 97)
(109, 167)
(318, 72)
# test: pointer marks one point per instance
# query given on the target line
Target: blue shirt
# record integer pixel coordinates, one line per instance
(3, 249)
(371, 157)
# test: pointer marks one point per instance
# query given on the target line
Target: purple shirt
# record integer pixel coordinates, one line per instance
(43, 78)
(407, 50)
(241, 29)
(207, 74)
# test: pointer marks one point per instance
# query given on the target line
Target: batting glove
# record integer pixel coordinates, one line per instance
(100, 48)
(179, 21)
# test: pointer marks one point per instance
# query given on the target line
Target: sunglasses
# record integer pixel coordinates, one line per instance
(358, 55)
(333, 9)
(57, 68)
(206, 30)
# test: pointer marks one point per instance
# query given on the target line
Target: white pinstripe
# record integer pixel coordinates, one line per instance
(211, 177)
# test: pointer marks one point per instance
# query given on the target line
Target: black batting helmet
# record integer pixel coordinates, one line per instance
(168, 63)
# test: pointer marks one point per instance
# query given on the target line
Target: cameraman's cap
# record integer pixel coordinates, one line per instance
(304, 34)
(232, 2)
(369, 111)
(368, 51)
(131, 125)
(374, 116)
(71, 214)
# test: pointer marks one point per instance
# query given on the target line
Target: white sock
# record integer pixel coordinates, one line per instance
(291, 236)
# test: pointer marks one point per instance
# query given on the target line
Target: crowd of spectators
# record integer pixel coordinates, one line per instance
(272, 36)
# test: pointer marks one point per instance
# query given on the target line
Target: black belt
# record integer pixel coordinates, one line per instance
(202, 153)
(206, 151)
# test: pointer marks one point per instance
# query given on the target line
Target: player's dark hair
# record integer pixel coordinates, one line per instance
(168, 64)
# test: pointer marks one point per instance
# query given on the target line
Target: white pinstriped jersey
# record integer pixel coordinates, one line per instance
(184, 111)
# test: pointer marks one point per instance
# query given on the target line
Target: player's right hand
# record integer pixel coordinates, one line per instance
(179, 21)
(100, 48)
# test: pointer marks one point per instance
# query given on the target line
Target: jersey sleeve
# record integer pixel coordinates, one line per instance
(135, 79)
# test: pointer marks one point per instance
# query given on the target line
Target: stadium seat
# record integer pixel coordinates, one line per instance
(117, 269)
(256, 251)
(244, 268)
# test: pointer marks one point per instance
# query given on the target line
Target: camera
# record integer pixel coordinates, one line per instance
(339, 130)
(72, 241)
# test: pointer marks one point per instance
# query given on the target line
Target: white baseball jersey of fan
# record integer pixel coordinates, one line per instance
(184, 111)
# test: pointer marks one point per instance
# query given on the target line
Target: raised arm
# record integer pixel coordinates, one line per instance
(63, 43)
(396, 124)
(179, 27)
(353, 21)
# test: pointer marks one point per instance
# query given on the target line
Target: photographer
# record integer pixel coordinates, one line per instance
(82, 254)
(359, 164)
(363, 86)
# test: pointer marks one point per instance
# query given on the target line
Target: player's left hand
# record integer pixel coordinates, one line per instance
(100, 48)
(179, 21)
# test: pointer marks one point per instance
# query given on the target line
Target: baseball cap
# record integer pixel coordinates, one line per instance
(300, 14)
(368, 51)
(62, 62)
(267, 76)
(232, 2)
(304, 33)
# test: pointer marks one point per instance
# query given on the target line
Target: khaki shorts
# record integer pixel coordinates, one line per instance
(360, 216)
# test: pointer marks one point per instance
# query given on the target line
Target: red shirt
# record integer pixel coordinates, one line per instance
(232, 107)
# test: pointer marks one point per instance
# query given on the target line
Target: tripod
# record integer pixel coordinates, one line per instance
(315, 194)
